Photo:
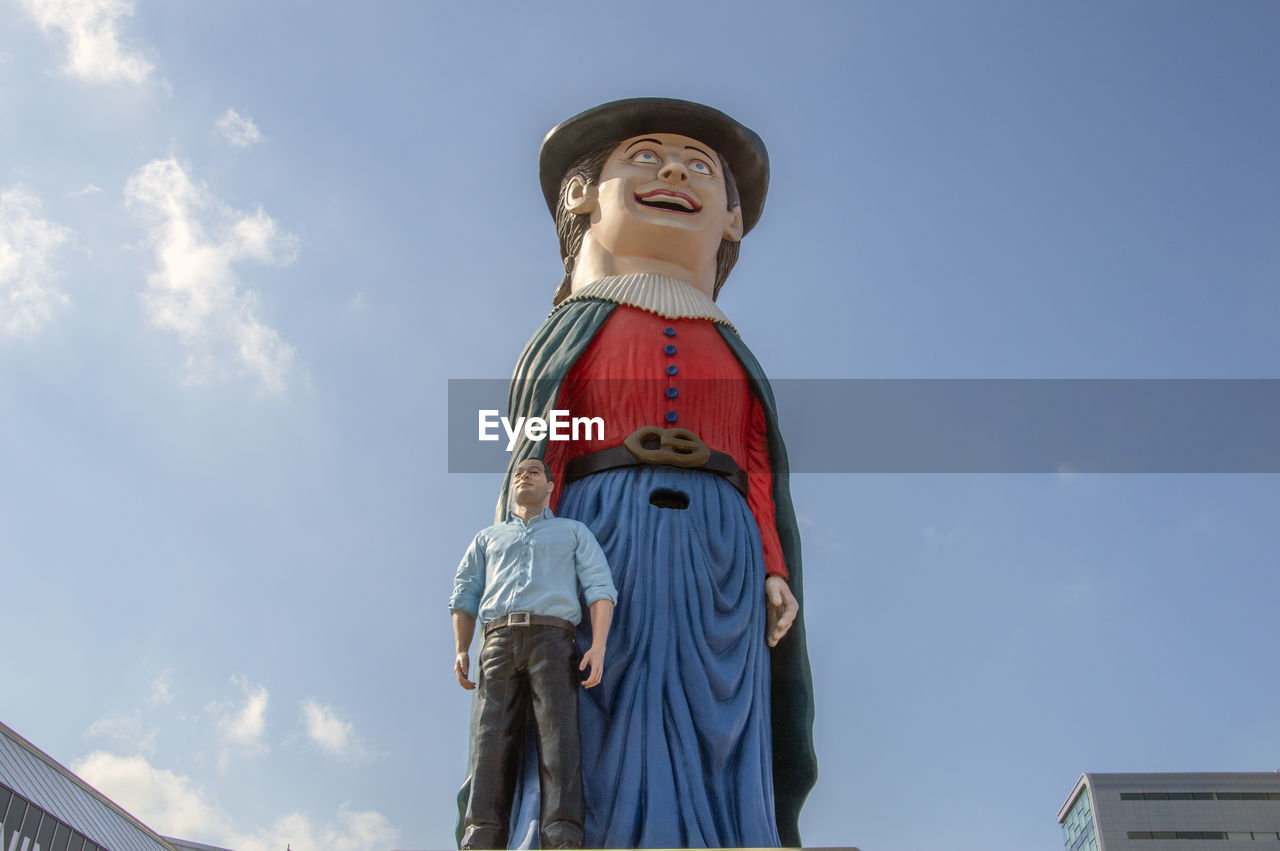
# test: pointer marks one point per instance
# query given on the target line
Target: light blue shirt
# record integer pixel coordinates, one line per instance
(532, 567)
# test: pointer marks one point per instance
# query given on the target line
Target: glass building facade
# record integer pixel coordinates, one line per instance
(1078, 831)
(26, 827)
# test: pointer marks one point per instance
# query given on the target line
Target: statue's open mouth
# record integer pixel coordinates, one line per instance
(669, 199)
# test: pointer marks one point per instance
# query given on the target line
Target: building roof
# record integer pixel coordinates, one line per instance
(1216, 781)
(48, 784)
(188, 845)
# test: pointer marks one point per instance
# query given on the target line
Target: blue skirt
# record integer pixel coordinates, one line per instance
(676, 739)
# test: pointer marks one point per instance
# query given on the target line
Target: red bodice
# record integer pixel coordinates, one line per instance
(643, 369)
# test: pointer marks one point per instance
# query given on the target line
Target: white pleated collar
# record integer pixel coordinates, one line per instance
(660, 294)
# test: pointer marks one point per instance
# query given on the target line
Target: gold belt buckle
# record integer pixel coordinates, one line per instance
(678, 447)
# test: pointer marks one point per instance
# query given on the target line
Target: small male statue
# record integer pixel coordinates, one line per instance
(520, 578)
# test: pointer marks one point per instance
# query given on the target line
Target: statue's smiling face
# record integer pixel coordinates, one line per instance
(662, 194)
(677, 161)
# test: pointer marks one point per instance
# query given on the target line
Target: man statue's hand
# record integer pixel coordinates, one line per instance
(594, 659)
(461, 667)
(781, 608)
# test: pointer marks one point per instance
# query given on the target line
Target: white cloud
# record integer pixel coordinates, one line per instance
(88, 190)
(1073, 593)
(175, 805)
(126, 729)
(91, 31)
(367, 830)
(242, 726)
(160, 693)
(28, 297)
(946, 538)
(195, 292)
(131, 730)
(238, 129)
(168, 803)
(335, 736)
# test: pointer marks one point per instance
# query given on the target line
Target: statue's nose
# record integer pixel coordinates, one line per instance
(674, 172)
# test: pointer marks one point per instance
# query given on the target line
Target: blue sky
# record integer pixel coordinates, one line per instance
(244, 246)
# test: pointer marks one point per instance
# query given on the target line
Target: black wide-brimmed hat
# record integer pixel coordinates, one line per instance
(611, 123)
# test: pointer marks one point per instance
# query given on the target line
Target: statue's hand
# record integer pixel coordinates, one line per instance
(593, 659)
(461, 667)
(781, 608)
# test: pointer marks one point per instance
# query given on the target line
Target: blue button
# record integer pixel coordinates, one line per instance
(672, 392)
(673, 369)
(672, 417)
(669, 349)
(670, 332)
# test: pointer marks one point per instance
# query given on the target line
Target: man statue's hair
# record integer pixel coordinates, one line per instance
(571, 227)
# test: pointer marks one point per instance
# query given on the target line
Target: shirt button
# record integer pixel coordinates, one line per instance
(672, 392)
(673, 369)
(669, 349)
(670, 332)
(672, 416)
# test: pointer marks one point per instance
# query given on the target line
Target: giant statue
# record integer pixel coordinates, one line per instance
(700, 732)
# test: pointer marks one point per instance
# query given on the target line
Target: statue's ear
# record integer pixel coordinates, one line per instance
(580, 197)
(733, 228)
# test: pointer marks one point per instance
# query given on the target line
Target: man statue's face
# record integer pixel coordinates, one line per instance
(663, 196)
(529, 482)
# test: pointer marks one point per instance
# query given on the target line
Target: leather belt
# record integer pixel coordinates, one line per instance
(661, 447)
(526, 619)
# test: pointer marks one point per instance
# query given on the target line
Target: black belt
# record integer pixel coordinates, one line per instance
(526, 619)
(659, 447)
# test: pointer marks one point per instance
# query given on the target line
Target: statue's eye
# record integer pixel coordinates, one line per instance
(645, 156)
(699, 167)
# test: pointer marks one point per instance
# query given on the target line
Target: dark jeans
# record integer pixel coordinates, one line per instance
(527, 669)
